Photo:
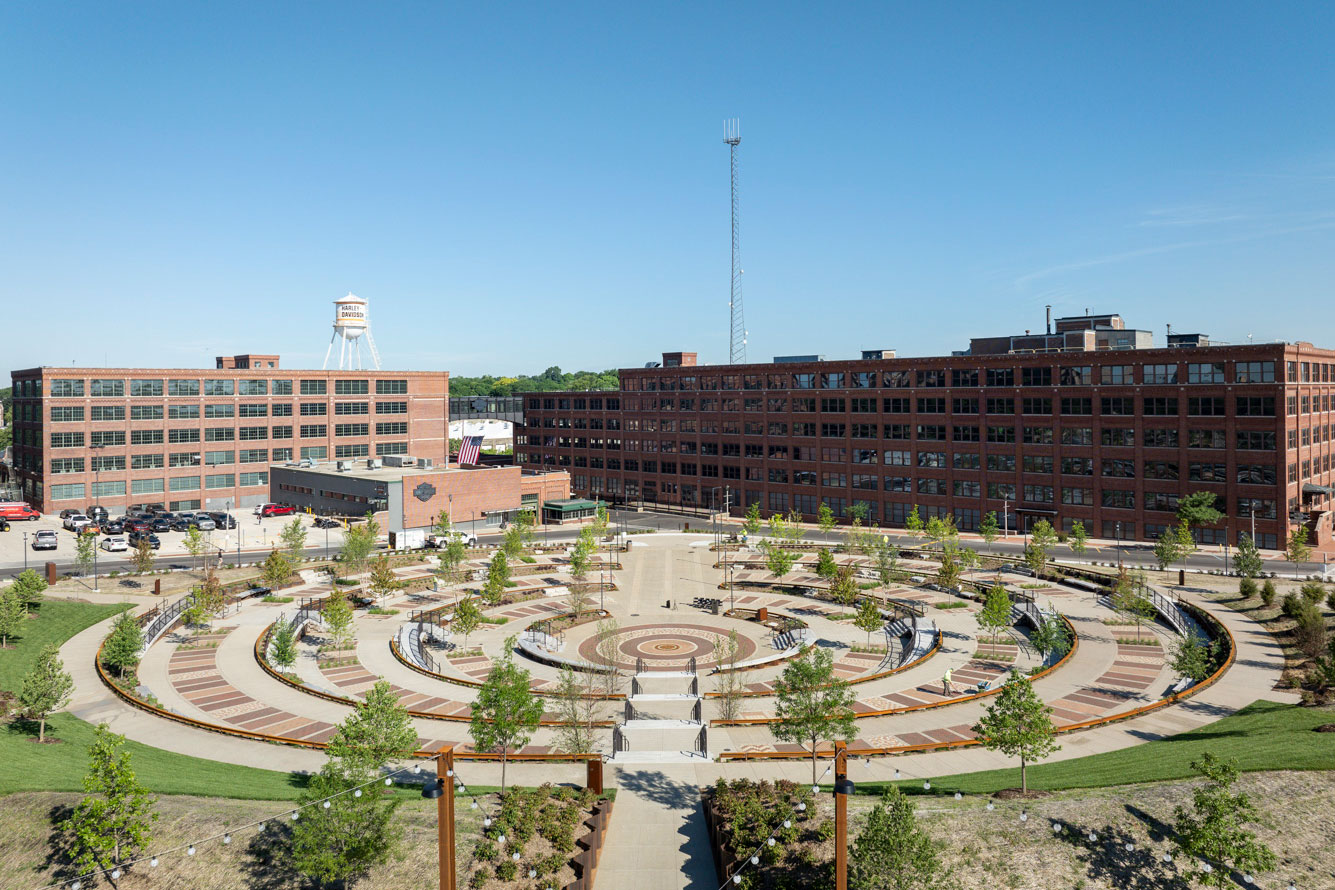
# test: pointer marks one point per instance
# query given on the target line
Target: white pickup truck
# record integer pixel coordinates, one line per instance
(438, 541)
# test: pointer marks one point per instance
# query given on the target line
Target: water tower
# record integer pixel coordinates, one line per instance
(352, 325)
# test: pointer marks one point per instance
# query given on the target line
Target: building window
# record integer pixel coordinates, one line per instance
(220, 480)
(218, 458)
(219, 412)
(104, 438)
(314, 431)
(219, 387)
(1205, 372)
(1118, 437)
(1121, 500)
(253, 411)
(145, 412)
(253, 433)
(352, 429)
(145, 389)
(1035, 376)
(184, 459)
(281, 432)
(146, 486)
(182, 388)
(106, 388)
(1077, 435)
(145, 437)
(281, 387)
(1156, 374)
(1209, 406)
(67, 440)
(383, 448)
(67, 389)
(249, 480)
(1118, 406)
(352, 408)
(314, 387)
(183, 412)
(391, 407)
(1255, 372)
(67, 492)
(66, 413)
(1077, 406)
(314, 452)
(314, 409)
(1081, 375)
(1256, 406)
(183, 483)
(1036, 406)
(1159, 406)
(351, 387)
(350, 451)
(66, 465)
(391, 387)
(219, 434)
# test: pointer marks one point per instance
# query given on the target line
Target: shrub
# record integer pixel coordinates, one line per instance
(1247, 588)
(507, 870)
(1330, 601)
(1267, 593)
(478, 880)
(1314, 592)
(1292, 606)
(1310, 634)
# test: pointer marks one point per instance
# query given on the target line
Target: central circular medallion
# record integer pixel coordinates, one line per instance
(666, 647)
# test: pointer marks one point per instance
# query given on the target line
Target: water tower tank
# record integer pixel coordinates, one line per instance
(350, 319)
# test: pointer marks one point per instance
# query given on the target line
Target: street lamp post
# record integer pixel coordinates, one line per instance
(1119, 546)
(97, 494)
(1005, 518)
(25, 551)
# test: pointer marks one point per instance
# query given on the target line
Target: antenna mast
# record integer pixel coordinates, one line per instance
(732, 135)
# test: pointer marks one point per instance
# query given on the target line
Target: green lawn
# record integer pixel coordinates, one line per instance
(56, 622)
(1262, 736)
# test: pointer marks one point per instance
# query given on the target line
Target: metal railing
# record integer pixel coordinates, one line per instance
(619, 740)
(1169, 609)
(702, 742)
(690, 665)
(165, 619)
(639, 664)
(698, 711)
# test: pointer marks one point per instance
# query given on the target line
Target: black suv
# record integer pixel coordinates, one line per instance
(135, 537)
(223, 520)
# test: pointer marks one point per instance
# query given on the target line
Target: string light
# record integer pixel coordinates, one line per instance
(959, 796)
(927, 785)
(1024, 817)
(191, 851)
(153, 863)
(115, 874)
(1168, 857)
(326, 804)
(227, 838)
(991, 806)
(1130, 847)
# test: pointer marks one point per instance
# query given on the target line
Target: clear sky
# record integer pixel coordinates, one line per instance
(515, 185)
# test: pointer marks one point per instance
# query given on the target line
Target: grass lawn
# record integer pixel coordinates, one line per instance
(1262, 736)
(56, 622)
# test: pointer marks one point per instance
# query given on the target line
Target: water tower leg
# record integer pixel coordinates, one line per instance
(329, 350)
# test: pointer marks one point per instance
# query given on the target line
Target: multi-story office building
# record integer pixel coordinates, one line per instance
(1097, 429)
(204, 439)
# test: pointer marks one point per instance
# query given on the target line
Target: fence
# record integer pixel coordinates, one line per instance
(165, 619)
(702, 742)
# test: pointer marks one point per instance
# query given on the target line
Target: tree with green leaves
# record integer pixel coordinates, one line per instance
(1167, 549)
(113, 821)
(338, 619)
(359, 542)
(1186, 542)
(1214, 830)
(293, 538)
(513, 540)
(581, 555)
(1052, 637)
(989, 529)
(498, 579)
(1298, 549)
(1247, 560)
(825, 519)
(283, 646)
(813, 703)
(728, 683)
(869, 618)
(12, 614)
(955, 560)
(886, 556)
(337, 844)
(467, 618)
(1197, 509)
(1129, 599)
(577, 709)
(276, 570)
(46, 688)
(207, 601)
(30, 587)
(844, 587)
(1193, 657)
(442, 527)
(826, 567)
(124, 645)
(1077, 540)
(778, 559)
(383, 582)
(450, 556)
(855, 539)
(599, 524)
(913, 522)
(142, 556)
(195, 544)
(1042, 538)
(996, 612)
(85, 551)
(506, 713)
(751, 523)
(892, 852)
(1018, 724)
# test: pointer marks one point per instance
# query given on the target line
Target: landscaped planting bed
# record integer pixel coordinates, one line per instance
(543, 825)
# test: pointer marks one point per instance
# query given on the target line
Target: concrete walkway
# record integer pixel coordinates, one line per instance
(657, 840)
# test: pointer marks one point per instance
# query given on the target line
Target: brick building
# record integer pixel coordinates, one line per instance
(205, 439)
(1097, 429)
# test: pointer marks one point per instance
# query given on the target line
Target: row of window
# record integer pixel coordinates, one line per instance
(117, 487)
(98, 387)
(109, 438)
(102, 413)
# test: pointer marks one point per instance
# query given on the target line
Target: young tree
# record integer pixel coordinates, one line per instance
(606, 651)
(1018, 724)
(793, 530)
(466, 619)
(1193, 657)
(46, 688)
(727, 679)
(1197, 509)
(1186, 542)
(577, 709)
(29, 586)
(812, 703)
(124, 644)
(113, 821)
(1077, 540)
(293, 538)
(359, 541)
(869, 618)
(599, 524)
(779, 560)
(913, 522)
(826, 567)
(451, 556)
(276, 569)
(442, 527)
(1129, 599)
(1247, 560)
(194, 543)
(498, 577)
(887, 562)
(996, 611)
(825, 520)
(1298, 550)
(778, 527)
(12, 615)
(141, 557)
(855, 539)
(337, 844)
(506, 712)
(751, 524)
(283, 646)
(383, 581)
(1167, 549)
(935, 529)
(844, 587)
(85, 551)
(208, 601)
(892, 852)
(581, 555)
(1051, 637)
(989, 528)
(513, 541)
(955, 559)
(1213, 831)
(1042, 539)
(338, 619)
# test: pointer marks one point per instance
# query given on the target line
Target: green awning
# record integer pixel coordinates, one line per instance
(572, 505)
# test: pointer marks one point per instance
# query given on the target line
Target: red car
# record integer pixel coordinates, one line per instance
(277, 510)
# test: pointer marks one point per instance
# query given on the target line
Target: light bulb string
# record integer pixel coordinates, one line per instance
(379, 780)
(746, 862)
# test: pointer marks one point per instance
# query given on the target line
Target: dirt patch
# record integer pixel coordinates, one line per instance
(1325, 727)
(1017, 794)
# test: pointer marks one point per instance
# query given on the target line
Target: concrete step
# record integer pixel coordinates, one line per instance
(648, 724)
(628, 757)
(662, 696)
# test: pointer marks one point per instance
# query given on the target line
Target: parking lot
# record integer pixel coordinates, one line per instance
(253, 536)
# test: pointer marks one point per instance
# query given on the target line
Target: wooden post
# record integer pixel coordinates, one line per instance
(52, 576)
(840, 816)
(762, 614)
(445, 817)
(594, 775)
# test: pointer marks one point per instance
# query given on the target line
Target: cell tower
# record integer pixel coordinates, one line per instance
(352, 324)
(732, 135)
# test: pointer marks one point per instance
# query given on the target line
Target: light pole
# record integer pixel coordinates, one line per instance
(842, 789)
(25, 551)
(97, 494)
(1119, 546)
(442, 791)
(1005, 518)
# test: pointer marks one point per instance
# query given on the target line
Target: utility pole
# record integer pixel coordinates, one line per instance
(442, 790)
(842, 789)
(732, 136)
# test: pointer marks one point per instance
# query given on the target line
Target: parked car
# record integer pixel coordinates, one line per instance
(77, 521)
(276, 510)
(182, 522)
(45, 539)
(439, 541)
(97, 513)
(223, 520)
(136, 536)
(134, 524)
(159, 524)
(66, 514)
(113, 527)
(327, 522)
(115, 544)
(204, 522)
(4, 524)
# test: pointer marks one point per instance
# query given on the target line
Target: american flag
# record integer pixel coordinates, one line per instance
(470, 450)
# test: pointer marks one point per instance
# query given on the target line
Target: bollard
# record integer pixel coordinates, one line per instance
(52, 576)
(1181, 577)
(157, 587)
(762, 614)
(594, 775)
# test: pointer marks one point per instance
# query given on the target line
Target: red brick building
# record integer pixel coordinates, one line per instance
(196, 439)
(1095, 429)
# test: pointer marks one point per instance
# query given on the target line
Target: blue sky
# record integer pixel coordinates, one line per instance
(518, 185)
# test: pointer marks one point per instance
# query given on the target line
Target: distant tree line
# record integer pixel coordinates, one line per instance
(549, 380)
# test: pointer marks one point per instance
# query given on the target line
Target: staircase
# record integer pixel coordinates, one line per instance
(663, 719)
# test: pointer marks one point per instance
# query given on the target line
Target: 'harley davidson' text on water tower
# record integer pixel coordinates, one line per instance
(352, 325)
